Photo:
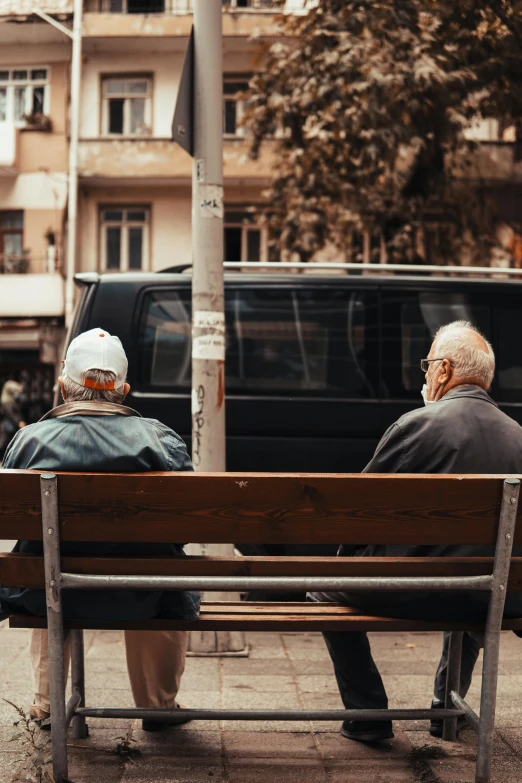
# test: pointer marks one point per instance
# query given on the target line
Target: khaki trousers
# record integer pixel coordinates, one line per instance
(155, 663)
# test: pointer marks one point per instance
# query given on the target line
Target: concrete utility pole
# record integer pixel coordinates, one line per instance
(208, 320)
(72, 203)
(74, 131)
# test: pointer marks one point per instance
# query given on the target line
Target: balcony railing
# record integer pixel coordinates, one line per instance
(22, 263)
(25, 7)
(12, 264)
(181, 7)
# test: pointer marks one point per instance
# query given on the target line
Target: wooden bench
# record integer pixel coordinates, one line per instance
(263, 509)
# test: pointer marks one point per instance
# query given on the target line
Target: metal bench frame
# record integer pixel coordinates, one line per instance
(76, 711)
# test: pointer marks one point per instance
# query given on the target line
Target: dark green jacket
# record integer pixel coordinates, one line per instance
(107, 444)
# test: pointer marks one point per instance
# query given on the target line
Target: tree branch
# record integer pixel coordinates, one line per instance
(499, 12)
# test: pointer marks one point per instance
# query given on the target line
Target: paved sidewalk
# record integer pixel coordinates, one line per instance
(283, 671)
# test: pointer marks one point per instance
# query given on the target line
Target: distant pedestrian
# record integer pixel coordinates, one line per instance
(10, 412)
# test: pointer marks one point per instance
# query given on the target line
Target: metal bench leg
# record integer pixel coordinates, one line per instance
(79, 726)
(53, 593)
(488, 696)
(449, 732)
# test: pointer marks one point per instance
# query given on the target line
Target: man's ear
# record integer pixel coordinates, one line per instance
(126, 390)
(62, 388)
(446, 372)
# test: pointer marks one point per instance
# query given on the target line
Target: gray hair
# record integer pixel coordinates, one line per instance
(471, 362)
(77, 393)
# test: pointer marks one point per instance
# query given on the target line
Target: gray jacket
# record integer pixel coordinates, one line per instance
(464, 432)
(79, 437)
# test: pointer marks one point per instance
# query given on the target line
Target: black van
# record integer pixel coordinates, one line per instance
(317, 365)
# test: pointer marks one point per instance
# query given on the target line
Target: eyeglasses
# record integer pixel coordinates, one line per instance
(425, 363)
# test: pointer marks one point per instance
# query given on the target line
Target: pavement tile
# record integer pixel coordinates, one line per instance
(273, 745)
(86, 766)
(118, 726)
(460, 770)
(198, 682)
(235, 667)
(513, 738)
(255, 639)
(267, 700)
(259, 682)
(335, 746)
(317, 683)
(8, 714)
(465, 746)
(109, 697)
(265, 652)
(7, 745)
(9, 767)
(303, 641)
(179, 741)
(201, 700)
(327, 701)
(319, 666)
(291, 771)
(309, 653)
(14, 638)
(164, 770)
(372, 771)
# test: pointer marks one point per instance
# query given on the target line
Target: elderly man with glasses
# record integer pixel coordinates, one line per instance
(460, 430)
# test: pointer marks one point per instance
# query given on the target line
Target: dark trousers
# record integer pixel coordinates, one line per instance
(358, 678)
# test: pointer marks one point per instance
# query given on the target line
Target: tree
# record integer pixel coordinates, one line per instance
(365, 103)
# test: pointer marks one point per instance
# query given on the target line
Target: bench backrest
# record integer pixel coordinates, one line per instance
(258, 508)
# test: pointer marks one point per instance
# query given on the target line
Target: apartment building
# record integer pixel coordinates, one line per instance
(134, 199)
(34, 86)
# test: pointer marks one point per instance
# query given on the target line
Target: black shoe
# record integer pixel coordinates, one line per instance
(437, 726)
(41, 718)
(163, 725)
(367, 731)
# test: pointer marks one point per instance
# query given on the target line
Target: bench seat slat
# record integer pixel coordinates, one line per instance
(306, 617)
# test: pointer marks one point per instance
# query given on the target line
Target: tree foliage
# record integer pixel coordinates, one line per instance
(365, 103)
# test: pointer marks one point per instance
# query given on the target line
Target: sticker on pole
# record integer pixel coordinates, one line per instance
(208, 319)
(209, 346)
(211, 201)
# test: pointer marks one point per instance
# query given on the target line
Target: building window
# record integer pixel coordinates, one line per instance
(23, 91)
(12, 256)
(233, 105)
(11, 233)
(244, 239)
(127, 106)
(124, 239)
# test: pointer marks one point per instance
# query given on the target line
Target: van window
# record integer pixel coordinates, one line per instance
(508, 350)
(278, 341)
(409, 323)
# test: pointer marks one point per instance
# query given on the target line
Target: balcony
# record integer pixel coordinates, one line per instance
(162, 160)
(20, 8)
(31, 296)
(173, 19)
(9, 136)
